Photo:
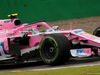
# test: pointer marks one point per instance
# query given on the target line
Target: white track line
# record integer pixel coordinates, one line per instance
(64, 67)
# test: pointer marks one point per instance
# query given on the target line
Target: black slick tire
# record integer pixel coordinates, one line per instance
(55, 49)
(97, 32)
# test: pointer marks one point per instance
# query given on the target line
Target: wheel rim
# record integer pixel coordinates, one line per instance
(49, 49)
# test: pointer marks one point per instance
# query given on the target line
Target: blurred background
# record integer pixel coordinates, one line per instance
(49, 10)
(84, 14)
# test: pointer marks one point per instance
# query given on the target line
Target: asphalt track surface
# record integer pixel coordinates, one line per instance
(34, 65)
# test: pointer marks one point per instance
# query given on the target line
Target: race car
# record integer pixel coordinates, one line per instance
(21, 42)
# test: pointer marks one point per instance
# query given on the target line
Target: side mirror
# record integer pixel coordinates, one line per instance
(55, 27)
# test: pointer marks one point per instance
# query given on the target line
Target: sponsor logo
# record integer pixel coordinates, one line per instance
(78, 31)
(7, 21)
(50, 30)
(2, 50)
(11, 34)
(35, 30)
(29, 31)
(80, 51)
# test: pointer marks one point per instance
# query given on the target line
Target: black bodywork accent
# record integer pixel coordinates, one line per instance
(17, 22)
(14, 49)
(95, 50)
(21, 41)
(84, 40)
(15, 43)
(12, 17)
(73, 39)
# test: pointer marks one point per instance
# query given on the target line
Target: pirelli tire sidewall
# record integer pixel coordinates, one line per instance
(61, 48)
(97, 32)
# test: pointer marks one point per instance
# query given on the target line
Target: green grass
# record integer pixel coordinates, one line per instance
(66, 71)
(90, 32)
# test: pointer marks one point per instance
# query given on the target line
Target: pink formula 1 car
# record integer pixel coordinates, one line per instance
(21, 42)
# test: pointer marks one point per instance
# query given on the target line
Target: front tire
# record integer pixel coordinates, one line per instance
(55, 49)
(97, 32)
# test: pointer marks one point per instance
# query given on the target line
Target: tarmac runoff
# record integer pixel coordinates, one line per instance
(69, 66)
(63, 67)
(38, 66)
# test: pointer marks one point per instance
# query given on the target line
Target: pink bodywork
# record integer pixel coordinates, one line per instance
(9, 30)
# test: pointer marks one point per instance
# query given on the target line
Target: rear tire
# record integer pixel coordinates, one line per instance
(97, 32)
(55, 49)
